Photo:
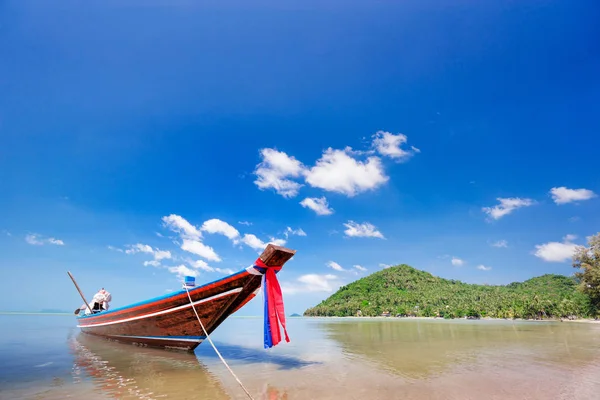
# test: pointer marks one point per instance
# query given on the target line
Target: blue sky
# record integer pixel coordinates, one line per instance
(123, 121)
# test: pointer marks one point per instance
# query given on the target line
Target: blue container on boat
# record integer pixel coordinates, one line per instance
(190, 281)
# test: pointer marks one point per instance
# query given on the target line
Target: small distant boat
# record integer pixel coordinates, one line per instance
(170, 322)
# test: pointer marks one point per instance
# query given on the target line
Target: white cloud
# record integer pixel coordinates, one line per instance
(557, 251)
(298, 232)
(37, 240)
(274, 171)
(32, 239)
(500, 243)
(317, 280)
(200, 249)
(483, 268)
(161, 254)
(182, 271)
(506, 206)
(217, 226)
(278, 242)
(318, 205)
(344, 171)
(245, 223)
(153, 263)
(221, 227)
(191, 236)
(457, 262)
(362, 230)
(7, 232)
(254, 242)
(384, 266)
(139, 248)
(225, 271)
(181, 226)
(113, 248)
(311, 283)
(336, 266)
(562, 195)
(360, 268)
(200, 264)
(337, 171)
(144, 248)
(390, 145)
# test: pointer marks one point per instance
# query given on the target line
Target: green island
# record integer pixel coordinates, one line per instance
(405, 291)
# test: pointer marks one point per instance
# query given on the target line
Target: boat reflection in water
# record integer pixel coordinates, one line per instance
(121, 371)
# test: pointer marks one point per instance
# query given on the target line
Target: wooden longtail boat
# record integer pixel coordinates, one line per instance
(170, 322)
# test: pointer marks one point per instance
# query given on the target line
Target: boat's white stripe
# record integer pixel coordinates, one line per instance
(253, 271)
(170, 310)
(175, 339)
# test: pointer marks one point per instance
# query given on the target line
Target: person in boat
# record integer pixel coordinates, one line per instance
(99, 302)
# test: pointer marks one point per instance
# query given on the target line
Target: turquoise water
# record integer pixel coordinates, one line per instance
(45, 357)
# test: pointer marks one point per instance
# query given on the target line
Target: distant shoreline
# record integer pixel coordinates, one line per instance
(31, 313)
(581, 320)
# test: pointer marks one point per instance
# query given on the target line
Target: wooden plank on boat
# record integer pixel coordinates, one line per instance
(274, 255)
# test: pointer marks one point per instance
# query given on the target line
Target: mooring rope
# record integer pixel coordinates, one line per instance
(215, 347)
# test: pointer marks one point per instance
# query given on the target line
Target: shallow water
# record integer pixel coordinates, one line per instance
(45, 357)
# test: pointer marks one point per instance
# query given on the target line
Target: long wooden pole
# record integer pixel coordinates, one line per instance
(80, 293)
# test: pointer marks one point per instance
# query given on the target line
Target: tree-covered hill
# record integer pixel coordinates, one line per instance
(403, 290)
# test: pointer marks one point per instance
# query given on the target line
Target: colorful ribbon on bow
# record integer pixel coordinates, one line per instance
(273, 305)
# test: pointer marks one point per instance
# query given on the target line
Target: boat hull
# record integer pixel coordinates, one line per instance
(187, 343)
(170, 322)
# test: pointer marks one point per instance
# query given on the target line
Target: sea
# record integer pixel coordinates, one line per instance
(46, 357)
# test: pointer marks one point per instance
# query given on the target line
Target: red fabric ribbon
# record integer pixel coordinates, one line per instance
(275, 302)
